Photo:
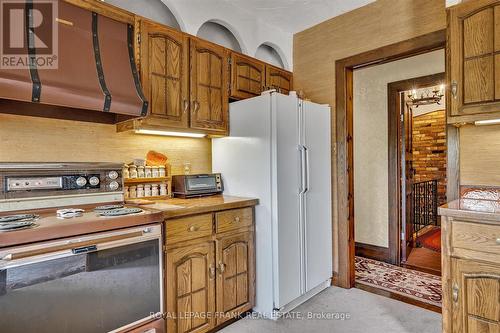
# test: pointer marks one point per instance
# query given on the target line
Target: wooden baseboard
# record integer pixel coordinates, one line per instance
(373, 252)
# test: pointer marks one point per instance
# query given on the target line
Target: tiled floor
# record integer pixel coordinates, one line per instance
(368, 313)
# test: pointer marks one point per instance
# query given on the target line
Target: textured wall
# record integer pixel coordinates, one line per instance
(31, 139)
(429, 150)
(480, 155)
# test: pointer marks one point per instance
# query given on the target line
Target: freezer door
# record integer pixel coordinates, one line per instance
(287, 252)
(317, 196)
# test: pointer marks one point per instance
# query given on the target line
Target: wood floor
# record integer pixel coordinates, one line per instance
(425, 260)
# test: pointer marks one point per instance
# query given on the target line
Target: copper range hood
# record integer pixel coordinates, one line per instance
(96, 78)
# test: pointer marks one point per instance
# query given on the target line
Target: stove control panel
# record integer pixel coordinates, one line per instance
(66, 182)
(24, 184)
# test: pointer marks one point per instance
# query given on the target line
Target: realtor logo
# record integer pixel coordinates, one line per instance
(28, 34)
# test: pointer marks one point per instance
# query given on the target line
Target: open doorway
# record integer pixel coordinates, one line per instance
(418, 154)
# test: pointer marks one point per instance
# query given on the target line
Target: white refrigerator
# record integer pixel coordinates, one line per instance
(279, 150)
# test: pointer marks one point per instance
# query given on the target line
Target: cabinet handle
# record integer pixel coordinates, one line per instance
(193, 228)
(212, 271)
(454, 89)
(222, 267)
(196, 106)
(454, 292)
(236, 219)
(186, 105)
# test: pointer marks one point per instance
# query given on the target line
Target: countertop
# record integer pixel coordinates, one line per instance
(50, 227)
(476, 209)
(177, 207)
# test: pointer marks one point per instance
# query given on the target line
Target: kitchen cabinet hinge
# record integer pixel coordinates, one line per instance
(138, 38)
(229, 61)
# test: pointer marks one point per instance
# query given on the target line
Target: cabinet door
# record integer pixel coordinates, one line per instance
(164, 69)
(278, 79)
(475, 297)
(247, 76)
(474, 53)
(209, 86)
(190, 288)
(236, 275)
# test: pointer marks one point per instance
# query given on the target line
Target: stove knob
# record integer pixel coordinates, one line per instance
(113, 186)
(113, 174)
(94, 181)
(81, 181)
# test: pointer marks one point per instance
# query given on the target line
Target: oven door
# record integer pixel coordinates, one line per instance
(105, 282)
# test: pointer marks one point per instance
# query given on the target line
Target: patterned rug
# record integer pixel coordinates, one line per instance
(407, 282)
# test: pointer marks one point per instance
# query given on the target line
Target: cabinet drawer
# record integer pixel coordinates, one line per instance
(477, 237)
(234, 219)
(187, 228)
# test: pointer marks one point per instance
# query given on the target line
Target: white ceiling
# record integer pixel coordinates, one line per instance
(296, 15)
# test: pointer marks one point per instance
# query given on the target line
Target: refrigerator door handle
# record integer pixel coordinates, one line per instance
(303, 175)
(306, 168)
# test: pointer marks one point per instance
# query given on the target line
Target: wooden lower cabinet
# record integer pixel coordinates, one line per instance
(236, 276)
(190, 288)
(475, 296)
(209, 279)
(471, 275)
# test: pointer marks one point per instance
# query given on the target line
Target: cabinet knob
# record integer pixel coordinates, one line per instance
(454, 89)
(454, 292)
(498, 241)
(236, 219)
(193, 228)
(222, 267)
(212, 271)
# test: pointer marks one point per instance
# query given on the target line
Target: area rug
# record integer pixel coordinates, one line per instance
(431, 240)
(407, 282)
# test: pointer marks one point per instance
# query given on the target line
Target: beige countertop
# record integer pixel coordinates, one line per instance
(476, 209)
(177, 207)
(50, 227)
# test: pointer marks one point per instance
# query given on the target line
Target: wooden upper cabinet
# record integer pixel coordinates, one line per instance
(474, 54)
(475, 293)
(209, 86)
(248, 76)
(279, 79)
(165, 73)
(190, 288)
(236, 276)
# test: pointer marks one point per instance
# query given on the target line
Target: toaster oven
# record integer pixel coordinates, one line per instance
(188, 186)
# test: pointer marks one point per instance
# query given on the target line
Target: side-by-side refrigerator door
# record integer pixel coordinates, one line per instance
(288, 270)
(317, 196)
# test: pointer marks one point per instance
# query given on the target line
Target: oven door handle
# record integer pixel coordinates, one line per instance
(77, 246)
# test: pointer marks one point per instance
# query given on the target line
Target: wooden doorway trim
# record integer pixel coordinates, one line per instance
(393, 91)
(344, 128)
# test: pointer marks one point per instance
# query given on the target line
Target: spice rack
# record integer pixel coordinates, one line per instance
(132, 184)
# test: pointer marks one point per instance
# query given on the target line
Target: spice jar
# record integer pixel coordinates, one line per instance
(126, 193)
(147, 190)
(163, 189)
(132, 192)
(140, 191)
(154, 190)
(140, 171)
(125, 172)
(155, 172)
(132, 171)
(162, 171)
(147, 171)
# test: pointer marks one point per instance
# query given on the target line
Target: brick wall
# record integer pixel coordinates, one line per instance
(429, 150)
